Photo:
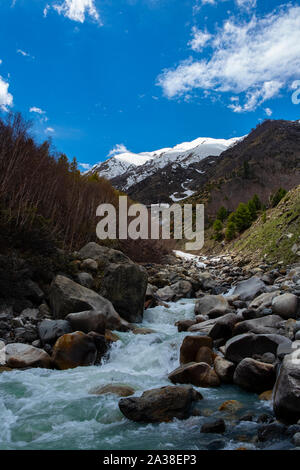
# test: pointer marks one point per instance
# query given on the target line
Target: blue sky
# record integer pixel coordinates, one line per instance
(147, 74)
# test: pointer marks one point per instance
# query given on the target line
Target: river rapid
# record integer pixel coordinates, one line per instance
(47, 409)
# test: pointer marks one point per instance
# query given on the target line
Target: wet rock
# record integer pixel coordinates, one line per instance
(296, 439)
(183, 325)
(286, 400)
(212, 305)
(50, 330)
(160, 404)
(217, 444)
(206, 355)
(143, 331)
(120, 390)
(230, 406)
(125, 286)
(74, 350)
(217, 427)
(287, 306)
(246, 345)
(89, 264)
(266, 396)
(190, 347)
(19, 355)
(270, 432)
(224, 369)
(254, 376)
(203, 327)
(249, 289)
(199, 374)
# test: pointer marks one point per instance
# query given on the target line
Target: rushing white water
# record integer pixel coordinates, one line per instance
(46, 409)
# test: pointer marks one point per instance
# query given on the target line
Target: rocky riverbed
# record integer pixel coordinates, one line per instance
(217, 345)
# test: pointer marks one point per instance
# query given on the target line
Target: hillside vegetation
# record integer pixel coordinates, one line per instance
(275, 236)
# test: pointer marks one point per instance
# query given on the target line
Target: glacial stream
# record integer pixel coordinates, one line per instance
(46, 409)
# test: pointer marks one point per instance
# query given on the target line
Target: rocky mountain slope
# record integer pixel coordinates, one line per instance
(181, 166)
(268, 158)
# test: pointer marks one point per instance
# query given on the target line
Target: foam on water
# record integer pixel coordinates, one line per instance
(45, 409)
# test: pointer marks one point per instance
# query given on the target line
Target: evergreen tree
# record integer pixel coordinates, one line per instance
(252, 209)
(230, 231)
(222, 214)
(242, 218)
(217, 228)
(257, 202)
(276, 198)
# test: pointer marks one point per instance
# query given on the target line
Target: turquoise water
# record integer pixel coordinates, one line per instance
(45, 409)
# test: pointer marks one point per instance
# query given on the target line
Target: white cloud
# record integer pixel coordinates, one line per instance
(6, 98)
(77, 10)
(255, 60)
(34, 109)
(199, 40)
(85, 166)
(49, 130)
(240, 3)
(46, 9)
(119, 148)
(24, 54)
(268, 111)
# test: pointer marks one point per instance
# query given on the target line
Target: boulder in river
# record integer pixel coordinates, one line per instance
(212, 305)
(160, 404)
(224, 326)
(224, 369)
(216, 426)
(74, 350)
(98, 320)
(125, 286)
(249, 289)
(246, 345)
(199, 374)
(190, 347)
(287, 306)
(66, 296)
(287, 389)
(120, 390)
(19, 355)
(254, 376)
(263, 300)
(50, 330)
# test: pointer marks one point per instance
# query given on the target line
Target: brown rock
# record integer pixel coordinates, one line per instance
(116, 389)
(74, 350)
(199, 374)
(190, 347)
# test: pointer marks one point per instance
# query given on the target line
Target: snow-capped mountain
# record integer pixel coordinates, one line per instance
(126, 170)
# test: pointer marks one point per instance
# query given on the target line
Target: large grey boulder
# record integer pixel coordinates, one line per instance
(97, 320)
(66, 296)
(212, 305)
(265, 325)
(254, 376)
(125, 286)
(247, 345)
(160, 404)
(203, 327)
(182, 289)
(249, 289)
(287, 389)
(102, 254)
(50, 330)
(287, 306)
(19, 355)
